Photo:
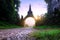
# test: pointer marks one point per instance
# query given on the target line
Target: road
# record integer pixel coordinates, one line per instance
(15, 34)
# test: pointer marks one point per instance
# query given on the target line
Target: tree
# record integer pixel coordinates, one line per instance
(46, 1)
(8, 11)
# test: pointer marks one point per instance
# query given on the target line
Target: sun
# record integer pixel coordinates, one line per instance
(30, 22)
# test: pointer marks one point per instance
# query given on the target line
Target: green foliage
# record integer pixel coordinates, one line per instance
(16, 2)
(8, 12)
(47, 35)
(53, 18)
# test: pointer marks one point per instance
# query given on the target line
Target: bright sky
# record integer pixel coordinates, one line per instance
(38, 7)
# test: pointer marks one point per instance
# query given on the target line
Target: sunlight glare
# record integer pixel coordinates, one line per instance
(30, 21)
(38, 17)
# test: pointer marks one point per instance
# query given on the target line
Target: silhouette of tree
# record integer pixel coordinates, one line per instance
(46, 1)
(8, 11)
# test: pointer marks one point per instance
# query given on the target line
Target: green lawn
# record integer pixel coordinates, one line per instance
(5, 25)
(9, 26)
(47, 26)
(53, 34)
(47, 32)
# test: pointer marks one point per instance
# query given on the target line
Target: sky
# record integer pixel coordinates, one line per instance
(38, 7)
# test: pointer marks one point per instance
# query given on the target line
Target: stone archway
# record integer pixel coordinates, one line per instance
(29, 22)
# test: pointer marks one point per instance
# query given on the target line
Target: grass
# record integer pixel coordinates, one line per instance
(47, 26)
(46, 34)
(9, 27)
(6, 25)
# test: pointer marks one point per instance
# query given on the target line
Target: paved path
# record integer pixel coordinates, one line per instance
(14, 34)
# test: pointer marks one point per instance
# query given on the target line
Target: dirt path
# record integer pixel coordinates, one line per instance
(15, 34)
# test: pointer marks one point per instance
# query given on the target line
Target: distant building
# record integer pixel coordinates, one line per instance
(30, 14)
